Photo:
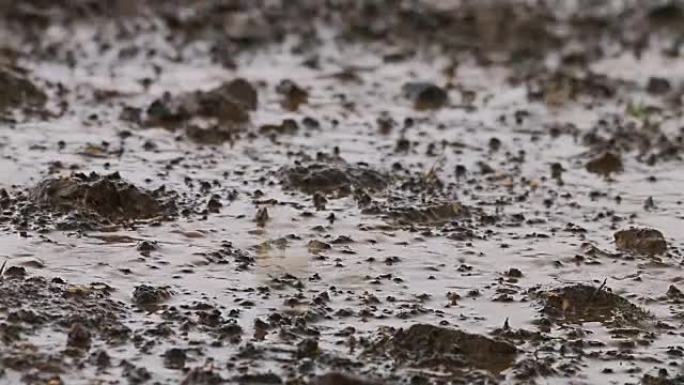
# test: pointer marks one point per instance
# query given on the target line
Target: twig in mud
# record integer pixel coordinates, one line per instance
(602, 285)
(431, 174)
(597, 290)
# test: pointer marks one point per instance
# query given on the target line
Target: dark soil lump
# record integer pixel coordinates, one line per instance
(582, 303)
(105, 198)
(425, 346)
(641, 241)
(332, 179)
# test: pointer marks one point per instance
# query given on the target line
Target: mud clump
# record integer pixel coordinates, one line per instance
(606, 164)
(336, 378)
(408, 213)
(103, 199)
(647, 242)
(557, 88)
(79, 337)
(203, 376)
(649, 142)
(429, 215)
(658, 86)
(150, 297)
(293, 95)
(582, 303)
(335, 179)
(287, 126)
(428, 346)
(226, 106)
(425, 96)
(18, 92)
(175, 358)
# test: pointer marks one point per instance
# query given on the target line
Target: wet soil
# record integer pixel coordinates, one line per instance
(346, 192)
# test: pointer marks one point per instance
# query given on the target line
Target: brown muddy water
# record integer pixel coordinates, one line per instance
(341, 192)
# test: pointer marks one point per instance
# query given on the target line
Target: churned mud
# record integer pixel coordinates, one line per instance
(341, 192)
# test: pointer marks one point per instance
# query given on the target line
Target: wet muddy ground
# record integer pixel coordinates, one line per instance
(341, 192)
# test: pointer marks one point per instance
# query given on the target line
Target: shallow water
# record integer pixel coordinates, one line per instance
(409, 270)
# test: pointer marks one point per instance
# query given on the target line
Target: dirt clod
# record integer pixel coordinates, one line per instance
(150, 296)
(428, 346)
(581, 303)
(425, 96)
(16, 91)
(606, 164)
(641, 241)
(101, 199)
(79, 337)
(332, 179)
(335, 378)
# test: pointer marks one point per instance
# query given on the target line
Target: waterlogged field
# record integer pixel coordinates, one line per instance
(341, 192)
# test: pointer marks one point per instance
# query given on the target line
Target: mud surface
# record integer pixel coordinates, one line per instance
(341, 193)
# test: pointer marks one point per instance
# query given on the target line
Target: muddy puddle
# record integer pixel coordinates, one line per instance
(349, 192)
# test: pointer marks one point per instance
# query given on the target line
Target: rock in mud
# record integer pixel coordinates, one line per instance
(606, 164)
(582, 303)
(336, 179)
(647, 242)
(425, 96)
(102, 199)
(428, 346)
(16, 91)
